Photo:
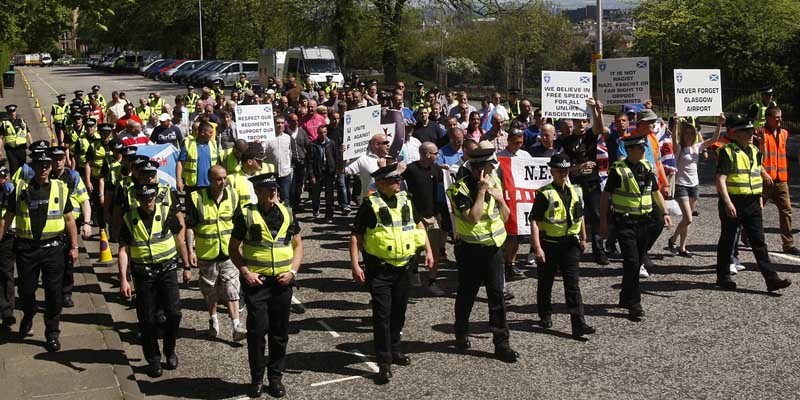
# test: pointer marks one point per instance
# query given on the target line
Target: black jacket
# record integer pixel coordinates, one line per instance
(322, 159)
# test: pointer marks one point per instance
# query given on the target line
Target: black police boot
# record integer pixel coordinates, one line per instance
(601, 258)
(154, 370)
(400, 359)
(729, 284)
(506, 354)
(635, 313)
(580, 328)
(276, 388)
(52, 345)
(513, 273)
(26, 325)
(545, 322)
(68, 303)
(384, 374)
(255, 389)
(9, 321)
(462, 342)
(778, 284)
(172, 362)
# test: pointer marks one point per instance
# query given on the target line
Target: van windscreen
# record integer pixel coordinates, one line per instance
(321, 65)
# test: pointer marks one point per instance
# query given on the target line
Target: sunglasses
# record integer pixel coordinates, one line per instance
(385, 142)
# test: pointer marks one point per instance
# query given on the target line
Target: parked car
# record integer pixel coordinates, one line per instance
(153, 69)
(66, 60)
(190, 76)
(166, 67)
(150, 64)
(230, 73)
(167, 75)
(200, 79)
(184, 70)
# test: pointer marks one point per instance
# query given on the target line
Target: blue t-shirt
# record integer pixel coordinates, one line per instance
(203, 163)
(649, 154)
(448, 155)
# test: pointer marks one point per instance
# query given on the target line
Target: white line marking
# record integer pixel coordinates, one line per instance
(348, 378)
(370, 364)
(328, 328)
(786, 256)
(297, 302)
(41, 396)
(46, 84)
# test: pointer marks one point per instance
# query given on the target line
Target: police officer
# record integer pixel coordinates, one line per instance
(513, 106)
(156, 103)
(96, 158)
(101, 101)
(740, 203)
(79, 198)
(7, 297)
(266, 247)
(78, 97)
(16, 137)
(41, 211)
(191, 99)
(633, 190)
(152, 240)
(329, 85)
(216, 89)
(480, 212)
(558, 237)
(758, 110)
(418, 96)
(243, 84)
(58, 117)
(389, 234)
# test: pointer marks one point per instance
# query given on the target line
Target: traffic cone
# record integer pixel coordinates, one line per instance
(36, 103)
(31, 93)
(43, 120)
(105, 251)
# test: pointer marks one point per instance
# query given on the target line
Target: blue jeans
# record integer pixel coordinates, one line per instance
(343, 190)
(284, 187)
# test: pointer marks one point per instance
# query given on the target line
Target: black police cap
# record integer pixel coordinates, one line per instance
(146, 191)
(96, 87)
(90, 122)
(738, 122)
(39, 145)
(11, 108)
(78, 93)
(634, 141)
(388, 172)
(61, 96)
(560, 161)
(480, 156)
(268, 180)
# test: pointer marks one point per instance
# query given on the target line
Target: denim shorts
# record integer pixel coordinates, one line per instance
(687, 191)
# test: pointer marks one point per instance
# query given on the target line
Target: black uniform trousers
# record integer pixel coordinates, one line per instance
(326, 180)
(389, 287)
(16, 157)
(562, 256)
(97, 212)
(7, 295)
(655, 227)
(157, 289)
(267, 315)
(591, 201)
(749, 216)
(633, 235)
(45, 258)
(481, 265)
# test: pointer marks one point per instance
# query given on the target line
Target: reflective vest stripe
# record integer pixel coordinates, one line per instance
(774, 150)
(744, 177)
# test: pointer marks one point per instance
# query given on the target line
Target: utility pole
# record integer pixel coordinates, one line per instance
(200, 8)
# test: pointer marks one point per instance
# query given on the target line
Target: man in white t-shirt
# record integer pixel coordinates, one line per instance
(368, 163)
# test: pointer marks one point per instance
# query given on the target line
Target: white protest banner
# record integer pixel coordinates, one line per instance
(564, 94)
(698, 92)
(255, 122)
(359, 126)
(522, 176)
(623, 80)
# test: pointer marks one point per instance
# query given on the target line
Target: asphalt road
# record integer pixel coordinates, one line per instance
(695, 342)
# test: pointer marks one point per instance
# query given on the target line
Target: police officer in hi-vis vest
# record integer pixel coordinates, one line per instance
(558, 237)
(58, 117)
(16, 137)
(389, 234)
(42, 212)
(481, 212)
(266, 247)
(632, 189)
(739, 184)
(152, 241)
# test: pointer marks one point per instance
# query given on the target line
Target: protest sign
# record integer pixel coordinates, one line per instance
(255, 122)
(359, 126)
(389, 130)
(698, 92)
(564, 94)
(167, 157)
(521, 177)
(623, 80)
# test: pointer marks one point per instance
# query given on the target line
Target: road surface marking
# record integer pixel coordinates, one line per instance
(786, 256)
(328, 328)
(46, 84)
(348, 378)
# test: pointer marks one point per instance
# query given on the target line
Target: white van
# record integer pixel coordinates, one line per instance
(316, 62)
(46, 60)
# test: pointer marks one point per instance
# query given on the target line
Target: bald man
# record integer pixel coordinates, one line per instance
(209, 214)
(424, 180)
(546, 144)
(368, 163)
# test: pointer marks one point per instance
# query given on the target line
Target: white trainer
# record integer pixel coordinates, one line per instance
(733, 269)
(643, 272)
(739, 267)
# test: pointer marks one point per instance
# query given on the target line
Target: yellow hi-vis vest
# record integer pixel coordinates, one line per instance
(59, 113)
(100, 154)
(191, 102)
(554, 224)
(144, 112)
(215, 223)
(163, 197)
(13, 136)
(156, 106)
(490, 230)
(242, 85)
(189, 174)
(395, 238)
(745, 175)
(240, 183)
(263, 252)
(55, 225)
(150, 247)
(629, 198)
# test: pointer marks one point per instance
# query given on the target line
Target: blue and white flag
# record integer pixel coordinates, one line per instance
(167, 157)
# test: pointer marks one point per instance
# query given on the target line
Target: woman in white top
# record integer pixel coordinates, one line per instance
(688, 148)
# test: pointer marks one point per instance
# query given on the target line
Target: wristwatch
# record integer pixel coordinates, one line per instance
(294, 274)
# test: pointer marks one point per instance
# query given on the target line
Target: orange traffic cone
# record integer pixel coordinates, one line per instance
(44, 119)
(36, 103)
(105, 251)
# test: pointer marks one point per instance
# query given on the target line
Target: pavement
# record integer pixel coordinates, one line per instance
(695, 342)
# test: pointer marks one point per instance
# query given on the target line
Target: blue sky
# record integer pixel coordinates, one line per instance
(581, 3)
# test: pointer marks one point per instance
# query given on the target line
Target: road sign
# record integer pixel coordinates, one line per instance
(564, 94)
(623, 80)
(698, 92)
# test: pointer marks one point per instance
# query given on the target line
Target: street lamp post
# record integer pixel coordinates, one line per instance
(200, 7)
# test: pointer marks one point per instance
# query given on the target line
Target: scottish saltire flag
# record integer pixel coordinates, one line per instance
(167, 157)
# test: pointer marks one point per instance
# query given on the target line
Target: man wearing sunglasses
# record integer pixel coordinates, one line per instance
(369, 163)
